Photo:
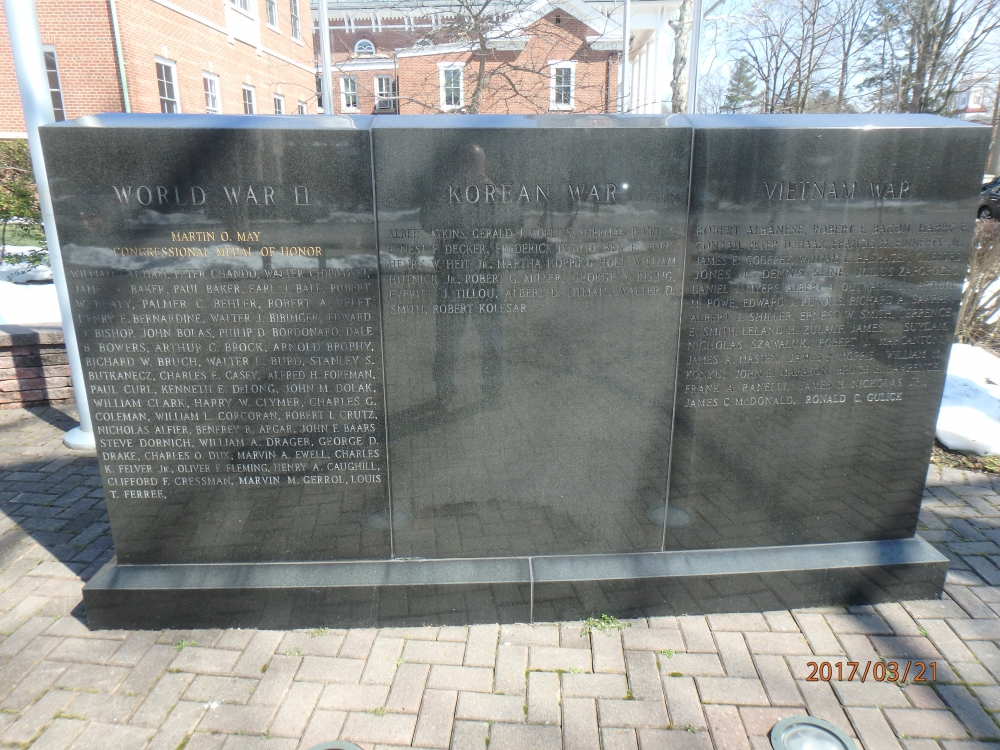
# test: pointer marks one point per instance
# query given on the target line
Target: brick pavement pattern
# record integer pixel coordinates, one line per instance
(664, 682)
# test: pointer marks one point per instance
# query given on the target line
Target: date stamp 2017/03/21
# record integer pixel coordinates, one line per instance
(880, 671)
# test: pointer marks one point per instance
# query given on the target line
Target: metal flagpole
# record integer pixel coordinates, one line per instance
(326, 78)
(692, 102)
(36, 100)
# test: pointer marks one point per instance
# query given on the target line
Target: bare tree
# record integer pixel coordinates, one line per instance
(507, 59)
(681, 27)
(784, 43)
(994, 156)
(925, 49)
(712, 90)
(851, 20)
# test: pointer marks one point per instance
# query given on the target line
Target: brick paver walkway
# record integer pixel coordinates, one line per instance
(685, 682)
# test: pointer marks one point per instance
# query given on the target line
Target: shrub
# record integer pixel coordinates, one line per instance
(18, 196)
(978, 315)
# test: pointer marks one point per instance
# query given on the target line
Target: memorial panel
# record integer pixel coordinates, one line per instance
(629, 365)
(531, 284)
(223, 280)
(824, 271)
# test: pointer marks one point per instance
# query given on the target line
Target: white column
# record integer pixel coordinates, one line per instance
(637, 97)
(650, 86)
(634, 85)
(325, 76)
(36, 100)
(657, 96)
(644, 79)
(651, 75)
(647, 87)
(624, 65)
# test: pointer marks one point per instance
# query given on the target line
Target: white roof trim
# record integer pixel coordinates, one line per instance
(509, 34)
(605, 44)
(606, 27)
(512, 43)
(380, 63)
(455, 48)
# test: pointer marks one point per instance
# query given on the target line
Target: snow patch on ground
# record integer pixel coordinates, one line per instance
(969, 419)
(22, 272)
(28, 304)
(24, 303)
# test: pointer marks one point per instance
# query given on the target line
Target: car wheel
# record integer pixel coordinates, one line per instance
(985, 213)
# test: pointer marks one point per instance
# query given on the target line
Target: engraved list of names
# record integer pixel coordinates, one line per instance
(229, 329)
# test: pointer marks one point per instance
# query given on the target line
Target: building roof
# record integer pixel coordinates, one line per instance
(508, 34)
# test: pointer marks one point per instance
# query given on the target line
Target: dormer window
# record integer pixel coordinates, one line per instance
(364, 48)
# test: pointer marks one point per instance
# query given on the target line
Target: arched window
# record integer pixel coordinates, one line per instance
(364, 47)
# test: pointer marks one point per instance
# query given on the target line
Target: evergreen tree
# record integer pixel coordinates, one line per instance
(742, 92)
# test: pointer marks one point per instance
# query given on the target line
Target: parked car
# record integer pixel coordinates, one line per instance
(989, 203)
(995, 182)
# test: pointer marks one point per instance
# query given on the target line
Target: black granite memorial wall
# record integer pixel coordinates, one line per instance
(530, 272)
(405, 370)
(225, 296)
(824, 270)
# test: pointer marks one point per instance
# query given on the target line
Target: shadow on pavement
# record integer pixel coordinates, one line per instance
(51, 496)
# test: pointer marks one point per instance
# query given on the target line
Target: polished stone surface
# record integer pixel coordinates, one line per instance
(561, 431)
(530, 284)
(735, 580)
(223, 278)
(513, 589)
(822, 280)
(294, 595)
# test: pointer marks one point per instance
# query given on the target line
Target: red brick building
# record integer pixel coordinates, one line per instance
(195, 56)
(546, 56)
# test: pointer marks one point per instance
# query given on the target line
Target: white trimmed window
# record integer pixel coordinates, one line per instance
(384, 99)
(296, 24)
(211, 84)
(166, 81)
(562, 84)
(302, 108)
(271, 6)
(249, 100)
(279, 104)
(452, 95)
(364, 48)
(55, 88)
(243, 5)
(348, 93)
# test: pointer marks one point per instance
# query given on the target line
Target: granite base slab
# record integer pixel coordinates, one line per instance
(566, 587)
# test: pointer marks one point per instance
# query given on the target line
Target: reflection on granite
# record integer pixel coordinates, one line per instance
(824, 271)
(224, 285)
(529, 272)
(599, 337)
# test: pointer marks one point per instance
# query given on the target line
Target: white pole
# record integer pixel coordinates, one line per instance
(36, 100)
(692, 102)
(326, 79)
(626, 77)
